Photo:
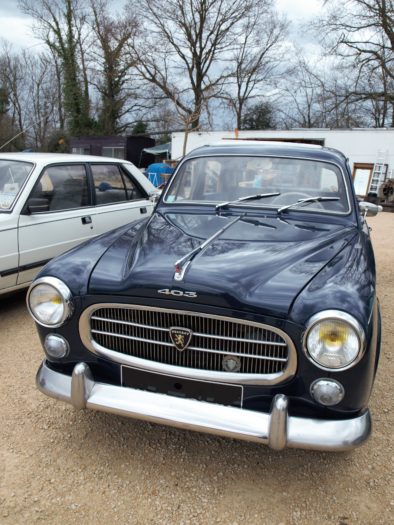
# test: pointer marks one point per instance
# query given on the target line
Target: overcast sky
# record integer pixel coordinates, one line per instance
(15, 27)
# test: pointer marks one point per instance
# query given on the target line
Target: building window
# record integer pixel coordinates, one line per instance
(81, 150)
(114, 152)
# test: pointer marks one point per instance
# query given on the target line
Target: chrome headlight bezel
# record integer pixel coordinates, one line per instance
(333, 315)
(62, 291)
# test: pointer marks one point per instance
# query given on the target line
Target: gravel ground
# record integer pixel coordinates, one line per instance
(61, 466)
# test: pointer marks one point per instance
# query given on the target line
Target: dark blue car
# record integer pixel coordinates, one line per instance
(245, 306)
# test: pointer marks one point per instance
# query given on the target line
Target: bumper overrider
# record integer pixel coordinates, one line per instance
(277, 429)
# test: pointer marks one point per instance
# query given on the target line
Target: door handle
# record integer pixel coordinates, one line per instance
(143, 210)
(87, 219)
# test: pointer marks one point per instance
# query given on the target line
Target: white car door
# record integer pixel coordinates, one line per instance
(119, 197)
(13, 176)
(55, 218)
(8, 251)
(72, 203)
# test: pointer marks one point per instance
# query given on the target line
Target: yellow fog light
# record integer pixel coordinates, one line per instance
(334, 340)
(49, 302)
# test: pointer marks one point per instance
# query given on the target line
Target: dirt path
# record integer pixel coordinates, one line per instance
(61, 466)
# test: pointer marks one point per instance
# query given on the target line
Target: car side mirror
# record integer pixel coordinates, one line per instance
(368, 209)
(154, 196)
(36, 205)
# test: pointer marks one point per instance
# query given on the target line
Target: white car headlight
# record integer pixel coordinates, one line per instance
(334, 340)
(49, 302)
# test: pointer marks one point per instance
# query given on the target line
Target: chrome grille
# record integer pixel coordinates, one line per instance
(143, 333)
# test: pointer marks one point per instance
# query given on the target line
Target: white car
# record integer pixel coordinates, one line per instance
(52, 202)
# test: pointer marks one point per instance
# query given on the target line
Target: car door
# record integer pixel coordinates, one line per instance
(55, 217)
(118, 196)
(8, 251)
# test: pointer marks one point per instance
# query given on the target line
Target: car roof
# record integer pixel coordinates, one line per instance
(46, 158)
(268, 148)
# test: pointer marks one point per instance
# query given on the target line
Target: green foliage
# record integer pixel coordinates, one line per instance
(139, 128)
(259, 116)
(163, 139)
(8, 131)
(58, 142)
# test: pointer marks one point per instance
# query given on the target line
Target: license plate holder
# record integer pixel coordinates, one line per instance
(208, 391)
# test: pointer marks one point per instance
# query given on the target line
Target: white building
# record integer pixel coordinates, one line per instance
(370, 151)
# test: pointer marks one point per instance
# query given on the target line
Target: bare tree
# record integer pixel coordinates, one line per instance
(7, 129)
(113, 66)
(318, 97)
(185, 46)
(13, 78)
(301, 98)
(257, 59)
(30, 83)
(41, 99)
(362, 31)
(61, 24)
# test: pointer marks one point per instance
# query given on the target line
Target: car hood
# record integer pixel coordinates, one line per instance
(258, 264)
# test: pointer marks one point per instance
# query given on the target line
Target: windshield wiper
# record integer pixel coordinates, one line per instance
(182, 264)
(307, 201)
(247, 198)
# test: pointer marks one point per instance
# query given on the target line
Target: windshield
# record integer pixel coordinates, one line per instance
(13, 175)
(231, 178)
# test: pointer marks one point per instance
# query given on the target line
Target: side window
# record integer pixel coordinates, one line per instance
(133, 191)
(111, 185)
(62, 187)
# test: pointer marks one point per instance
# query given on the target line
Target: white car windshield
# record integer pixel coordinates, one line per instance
(13, 175)
(230, 178)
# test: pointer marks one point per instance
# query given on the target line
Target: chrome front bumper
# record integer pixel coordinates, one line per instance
(276, 429)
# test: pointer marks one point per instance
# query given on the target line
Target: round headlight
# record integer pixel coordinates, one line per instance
(334, 340)
(49, 302)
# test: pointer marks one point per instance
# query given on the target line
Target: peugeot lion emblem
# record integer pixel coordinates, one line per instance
(180, 337)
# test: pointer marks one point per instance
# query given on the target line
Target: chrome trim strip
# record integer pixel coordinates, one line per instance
(196, 348)
(139, 325)
(276, 429)
(193, 373)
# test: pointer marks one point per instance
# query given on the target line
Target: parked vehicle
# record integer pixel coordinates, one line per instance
(51, 202)
(245, 306)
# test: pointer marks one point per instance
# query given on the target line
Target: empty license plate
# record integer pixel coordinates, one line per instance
(220, 393)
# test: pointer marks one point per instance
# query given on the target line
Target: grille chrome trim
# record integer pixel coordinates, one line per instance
(196, 348)
(211, 336)
(182, 371)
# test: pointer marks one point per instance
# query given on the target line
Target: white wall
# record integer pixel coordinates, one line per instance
(359, 145)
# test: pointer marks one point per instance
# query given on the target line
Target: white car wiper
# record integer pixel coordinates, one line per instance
(247, 198)
(307, 201)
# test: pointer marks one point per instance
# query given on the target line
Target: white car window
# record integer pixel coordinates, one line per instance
(112, 185)
(62, 187)
(13, 175)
